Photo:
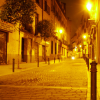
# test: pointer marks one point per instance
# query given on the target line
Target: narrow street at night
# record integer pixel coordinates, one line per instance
(49, 49)
(65, 80)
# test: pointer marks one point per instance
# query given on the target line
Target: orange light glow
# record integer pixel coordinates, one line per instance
(80, 46)
(60, 31)
(89, 6)
(84, 36)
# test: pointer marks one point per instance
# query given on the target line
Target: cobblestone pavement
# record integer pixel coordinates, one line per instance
(66, 80)
(41, 93)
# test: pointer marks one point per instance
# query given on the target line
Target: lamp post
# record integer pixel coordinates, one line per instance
(93, 64)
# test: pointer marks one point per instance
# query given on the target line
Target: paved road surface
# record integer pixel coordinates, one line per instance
(66, 80)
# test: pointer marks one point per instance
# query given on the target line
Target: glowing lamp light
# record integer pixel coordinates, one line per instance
(47, 43)
(84, 36)
(89, 6)
(60, 31)
(75, 47)
(73, 57)
(80, 46)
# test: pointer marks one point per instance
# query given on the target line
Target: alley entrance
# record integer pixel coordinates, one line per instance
(3, 48)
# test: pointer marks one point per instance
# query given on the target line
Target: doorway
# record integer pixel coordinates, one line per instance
(3, 48)
(24, 50)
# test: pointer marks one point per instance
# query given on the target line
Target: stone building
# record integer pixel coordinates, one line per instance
(28, 47)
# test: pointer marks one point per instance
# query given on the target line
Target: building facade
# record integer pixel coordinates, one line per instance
(90, 27)
(25, 46)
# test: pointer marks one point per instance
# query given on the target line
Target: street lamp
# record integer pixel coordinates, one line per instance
(80, 46)
(92, 19)
(89, 6)
(84, 36)
(60, 31)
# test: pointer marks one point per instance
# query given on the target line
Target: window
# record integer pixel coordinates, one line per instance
(51, 47)
(37, 1)
(51, 5)
(36, 21)
(45, 5)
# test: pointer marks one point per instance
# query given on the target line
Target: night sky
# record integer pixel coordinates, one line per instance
(74, 10)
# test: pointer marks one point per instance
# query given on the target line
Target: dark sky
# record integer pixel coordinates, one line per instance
(74, 10)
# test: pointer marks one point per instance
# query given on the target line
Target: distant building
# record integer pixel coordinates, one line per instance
(90, 26)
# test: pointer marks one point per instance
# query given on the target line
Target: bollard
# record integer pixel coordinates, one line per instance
(13, 65)
(93, 80)
(48, 62)
(54, 60)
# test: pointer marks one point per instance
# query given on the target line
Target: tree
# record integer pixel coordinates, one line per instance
(46, 30)
(18, 11)
(14, 11)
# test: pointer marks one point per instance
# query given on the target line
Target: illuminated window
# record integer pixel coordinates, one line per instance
(36, 21)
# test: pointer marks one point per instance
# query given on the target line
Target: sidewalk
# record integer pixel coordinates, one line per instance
(8, 69)
(75, 89)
